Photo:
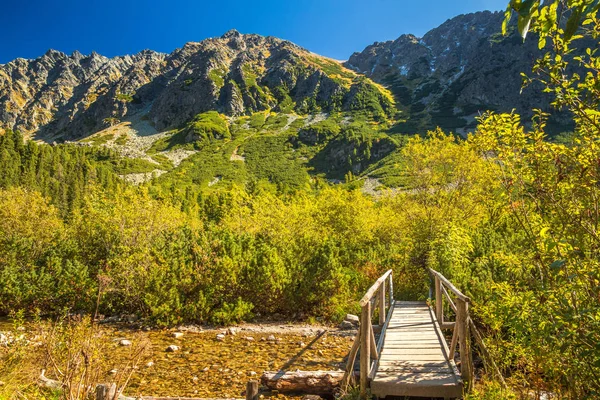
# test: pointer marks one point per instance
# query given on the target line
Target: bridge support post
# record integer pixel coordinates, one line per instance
(439, 311)
(462, 324)
(365, 348)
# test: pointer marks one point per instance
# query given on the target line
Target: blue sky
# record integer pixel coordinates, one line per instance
(334, 28)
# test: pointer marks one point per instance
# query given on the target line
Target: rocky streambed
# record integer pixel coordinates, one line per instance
(217, 363)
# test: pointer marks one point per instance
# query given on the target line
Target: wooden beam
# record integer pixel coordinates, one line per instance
(373, 289)
(382, 304)
(439, 310)
(452, 305)
(462, 324)
(450, 286)
(252, 390)
(349, 373)
(365, 347)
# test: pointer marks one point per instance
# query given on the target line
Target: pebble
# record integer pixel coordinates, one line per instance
(220, 337)
(149, 364)
(206, 369)
(177, 335)
(113, 371)
(125, 342)
(301, 344)
(232, 331)
(252, 373)
(195, 379)
(249, 338)
(172, 348)
(271, 338)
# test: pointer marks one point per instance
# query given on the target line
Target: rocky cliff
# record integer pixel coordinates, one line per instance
(454, 72)
(60, 97)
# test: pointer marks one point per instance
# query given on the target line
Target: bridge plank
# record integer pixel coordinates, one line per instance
(413, 361)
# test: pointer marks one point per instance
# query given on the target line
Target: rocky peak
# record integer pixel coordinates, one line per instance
(453, 72)
(232, 33)
(58, 97)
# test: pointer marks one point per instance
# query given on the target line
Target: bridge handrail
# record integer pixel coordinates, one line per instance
(374, 288)
(365, 339)
(449, 285)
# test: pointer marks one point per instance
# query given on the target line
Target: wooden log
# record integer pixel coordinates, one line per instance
(349, 373)
(382, 304)
(252, 390)
(101, 392)
(371, 292)
(365, 348)
(374, 354)
(439, 311)
(450, 286)
(462, 325)
(311, 382)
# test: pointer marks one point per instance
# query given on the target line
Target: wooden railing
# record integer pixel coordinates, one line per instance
(462, 328)
(374, 299)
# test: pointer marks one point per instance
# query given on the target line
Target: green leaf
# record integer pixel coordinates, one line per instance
(573, 23)
(557, 264)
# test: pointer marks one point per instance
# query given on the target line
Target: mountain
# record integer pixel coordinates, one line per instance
(454, 72)
(60, 97)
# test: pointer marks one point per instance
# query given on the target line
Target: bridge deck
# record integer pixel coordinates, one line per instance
(413, 360)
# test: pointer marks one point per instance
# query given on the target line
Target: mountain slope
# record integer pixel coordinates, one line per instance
(59, 97)
(454, 72)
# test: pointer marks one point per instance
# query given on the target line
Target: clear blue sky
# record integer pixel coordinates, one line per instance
(334, 28)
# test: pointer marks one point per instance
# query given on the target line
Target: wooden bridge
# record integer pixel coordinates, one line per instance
(411, 356)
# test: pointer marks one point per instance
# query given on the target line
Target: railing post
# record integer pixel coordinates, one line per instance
(391, 294)
(365, 347)
(382, 304)
(462, 324)
(439, 310)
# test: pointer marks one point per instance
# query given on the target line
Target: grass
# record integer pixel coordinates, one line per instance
(99, 140)
(217, 75)
(122, 140)
(127, 98)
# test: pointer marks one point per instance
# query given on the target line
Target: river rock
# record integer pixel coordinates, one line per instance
(125, 342)
(172, 348)
(353, 319)
(346, 325)
(149, 364)
(249, 338)
(271, 338)
(232, 331)
(220, 337)
(177, 335)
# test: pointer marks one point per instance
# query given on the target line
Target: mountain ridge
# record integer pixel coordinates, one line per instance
(57, 96)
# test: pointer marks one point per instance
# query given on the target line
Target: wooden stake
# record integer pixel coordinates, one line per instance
(365, 347)
(252, 390)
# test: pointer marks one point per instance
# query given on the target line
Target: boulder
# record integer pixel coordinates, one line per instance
(177, 335)
(220, 337)
(125, 342)
(346, 325)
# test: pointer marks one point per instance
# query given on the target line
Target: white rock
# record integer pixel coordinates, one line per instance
(125, 342)
(232, 331)
(249, 338)
(177, 335)
(252, 373)
(172, 348)
(113, 371)
(149, 364)
(220, 337)
(271, 338)
(352, 318)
